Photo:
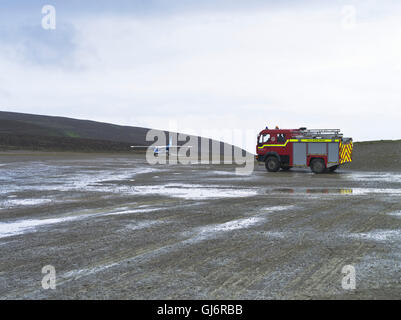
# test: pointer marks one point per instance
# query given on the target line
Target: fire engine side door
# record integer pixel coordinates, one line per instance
(299, 154)
(333, 156)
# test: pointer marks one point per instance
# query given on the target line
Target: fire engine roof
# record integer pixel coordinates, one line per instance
(279, 131)
(307, 133)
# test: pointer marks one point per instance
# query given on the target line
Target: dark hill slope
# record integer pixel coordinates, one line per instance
(47, 133)
(66, 127)
(20, 127)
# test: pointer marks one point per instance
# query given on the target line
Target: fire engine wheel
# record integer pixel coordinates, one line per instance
(272, 164)
(317, 166)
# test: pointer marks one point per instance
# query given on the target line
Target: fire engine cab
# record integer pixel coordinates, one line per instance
(320, 149)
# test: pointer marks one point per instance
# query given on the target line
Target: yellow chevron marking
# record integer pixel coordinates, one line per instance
(345, 152)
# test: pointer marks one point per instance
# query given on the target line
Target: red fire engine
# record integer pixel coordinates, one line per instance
(320, 149)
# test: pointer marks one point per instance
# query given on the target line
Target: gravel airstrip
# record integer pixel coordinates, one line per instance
(115, 227)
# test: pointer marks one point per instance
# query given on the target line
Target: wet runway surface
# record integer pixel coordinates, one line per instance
(118, 228)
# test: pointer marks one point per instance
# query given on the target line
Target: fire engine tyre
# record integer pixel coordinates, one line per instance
(333, 168)
(272, 164)
(317, 166)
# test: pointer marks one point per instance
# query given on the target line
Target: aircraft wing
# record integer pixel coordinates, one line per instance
(180, 147)
(148, 146)
(161, 147)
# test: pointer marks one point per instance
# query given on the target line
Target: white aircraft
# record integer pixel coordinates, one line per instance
(158, 149)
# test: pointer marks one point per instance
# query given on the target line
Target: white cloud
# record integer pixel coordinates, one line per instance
(223, 70)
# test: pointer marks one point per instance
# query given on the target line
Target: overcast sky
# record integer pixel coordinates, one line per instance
(208, 64)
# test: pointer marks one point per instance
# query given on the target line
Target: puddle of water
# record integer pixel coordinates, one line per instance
(364, 191)
(378, 235)
(385, 177)
(144, 224)
(12, 228)
(8, 229)
(222, 173)
(75, 274)
(335, 191)
(277, 208)
(195, 192)
(129, 211)
(232, 225)
(24, 202)
(243, 223)
(396, 213)
(66, 178)
(275, 234)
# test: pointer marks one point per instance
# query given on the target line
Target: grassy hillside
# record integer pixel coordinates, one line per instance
(36, 132)
(50, 143)
(30, 124)
(20, 131)
(19, 127)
